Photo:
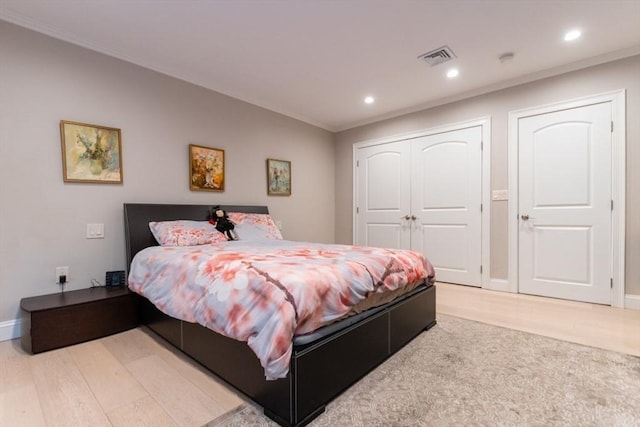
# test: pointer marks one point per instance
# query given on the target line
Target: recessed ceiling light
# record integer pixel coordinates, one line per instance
(453, 73)
(369, 100)
(572, 35)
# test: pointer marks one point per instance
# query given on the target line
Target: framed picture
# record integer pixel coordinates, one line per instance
(278, 177)
(206, 168)
(90, 153)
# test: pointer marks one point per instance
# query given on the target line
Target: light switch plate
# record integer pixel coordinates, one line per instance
(500, 195)
(95, 231)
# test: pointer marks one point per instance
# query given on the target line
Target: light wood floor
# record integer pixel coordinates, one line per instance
(594, 325)
(134, 379)
(129, 379)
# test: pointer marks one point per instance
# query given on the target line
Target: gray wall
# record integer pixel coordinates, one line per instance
(43, 220)
(622, 74)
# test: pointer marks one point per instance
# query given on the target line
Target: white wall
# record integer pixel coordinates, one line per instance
(622, 74)
(43, 220)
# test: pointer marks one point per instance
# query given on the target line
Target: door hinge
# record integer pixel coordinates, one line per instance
(611, 125)
(480, 269)
(611, 281)
(611, 204)
(481, 145)
(357, 163)
(480, 207)
(357, 209)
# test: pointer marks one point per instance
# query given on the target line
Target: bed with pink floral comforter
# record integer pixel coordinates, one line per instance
(266, 292)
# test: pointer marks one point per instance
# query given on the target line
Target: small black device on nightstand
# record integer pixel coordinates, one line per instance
(115, 279)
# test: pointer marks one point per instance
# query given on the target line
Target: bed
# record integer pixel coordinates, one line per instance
(322, 364)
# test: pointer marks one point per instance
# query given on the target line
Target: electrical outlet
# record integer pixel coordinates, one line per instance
(61, 271)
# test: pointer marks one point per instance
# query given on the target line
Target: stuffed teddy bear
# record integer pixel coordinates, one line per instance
(223, 224)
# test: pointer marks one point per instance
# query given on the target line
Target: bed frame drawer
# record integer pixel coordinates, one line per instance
(406, 319)
(323, 373)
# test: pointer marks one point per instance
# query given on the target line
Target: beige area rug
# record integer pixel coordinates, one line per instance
(464, 373)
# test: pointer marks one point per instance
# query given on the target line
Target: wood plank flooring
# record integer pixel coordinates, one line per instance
(136, 379)
(129, 379)
(594, 325)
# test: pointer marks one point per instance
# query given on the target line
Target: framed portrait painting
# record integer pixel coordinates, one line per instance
(278, 177)
(90, 153)
(206, 168)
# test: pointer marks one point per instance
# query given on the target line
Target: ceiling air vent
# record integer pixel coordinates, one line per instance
(438, 56)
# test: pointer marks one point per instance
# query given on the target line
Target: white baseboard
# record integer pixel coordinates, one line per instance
(498, 285)
(10, 330)
(632, 301)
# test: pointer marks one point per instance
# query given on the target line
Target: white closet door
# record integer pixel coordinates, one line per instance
(446, 200)
(383, 199)
(564, 239)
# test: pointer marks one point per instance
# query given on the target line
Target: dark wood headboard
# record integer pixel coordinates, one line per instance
(137, 217)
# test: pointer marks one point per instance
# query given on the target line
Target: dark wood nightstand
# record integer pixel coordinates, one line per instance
(57, 320)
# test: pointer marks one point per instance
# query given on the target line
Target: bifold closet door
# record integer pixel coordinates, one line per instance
(425, 194)
(446, 199)
(383, 199)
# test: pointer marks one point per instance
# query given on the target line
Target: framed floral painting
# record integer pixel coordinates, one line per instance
(278, 177)
(90, 153)
(206, 168)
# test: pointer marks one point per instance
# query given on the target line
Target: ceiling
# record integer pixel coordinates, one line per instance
(316, 60)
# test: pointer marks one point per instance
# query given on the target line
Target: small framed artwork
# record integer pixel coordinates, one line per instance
(206, 168)
(278, 177)
(90, 153)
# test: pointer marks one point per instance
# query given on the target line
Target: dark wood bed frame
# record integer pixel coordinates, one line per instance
(318, 371)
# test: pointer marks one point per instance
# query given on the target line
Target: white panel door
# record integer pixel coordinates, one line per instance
(383, 199)
(446, 200)
(564, 238)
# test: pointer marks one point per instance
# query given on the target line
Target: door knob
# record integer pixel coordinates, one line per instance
(524, 217)
(413, 217)
(407, 217)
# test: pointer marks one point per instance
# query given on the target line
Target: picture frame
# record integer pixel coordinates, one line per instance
(90, 153)
(278, 177)
(206, 168)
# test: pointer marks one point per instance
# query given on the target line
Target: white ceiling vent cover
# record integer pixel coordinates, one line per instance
(438, 56)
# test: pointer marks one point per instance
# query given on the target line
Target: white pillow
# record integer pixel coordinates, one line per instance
(251, 226)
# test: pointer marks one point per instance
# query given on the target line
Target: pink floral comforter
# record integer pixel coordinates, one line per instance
(265, 292)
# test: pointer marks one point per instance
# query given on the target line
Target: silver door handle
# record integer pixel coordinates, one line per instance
(524, 217)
